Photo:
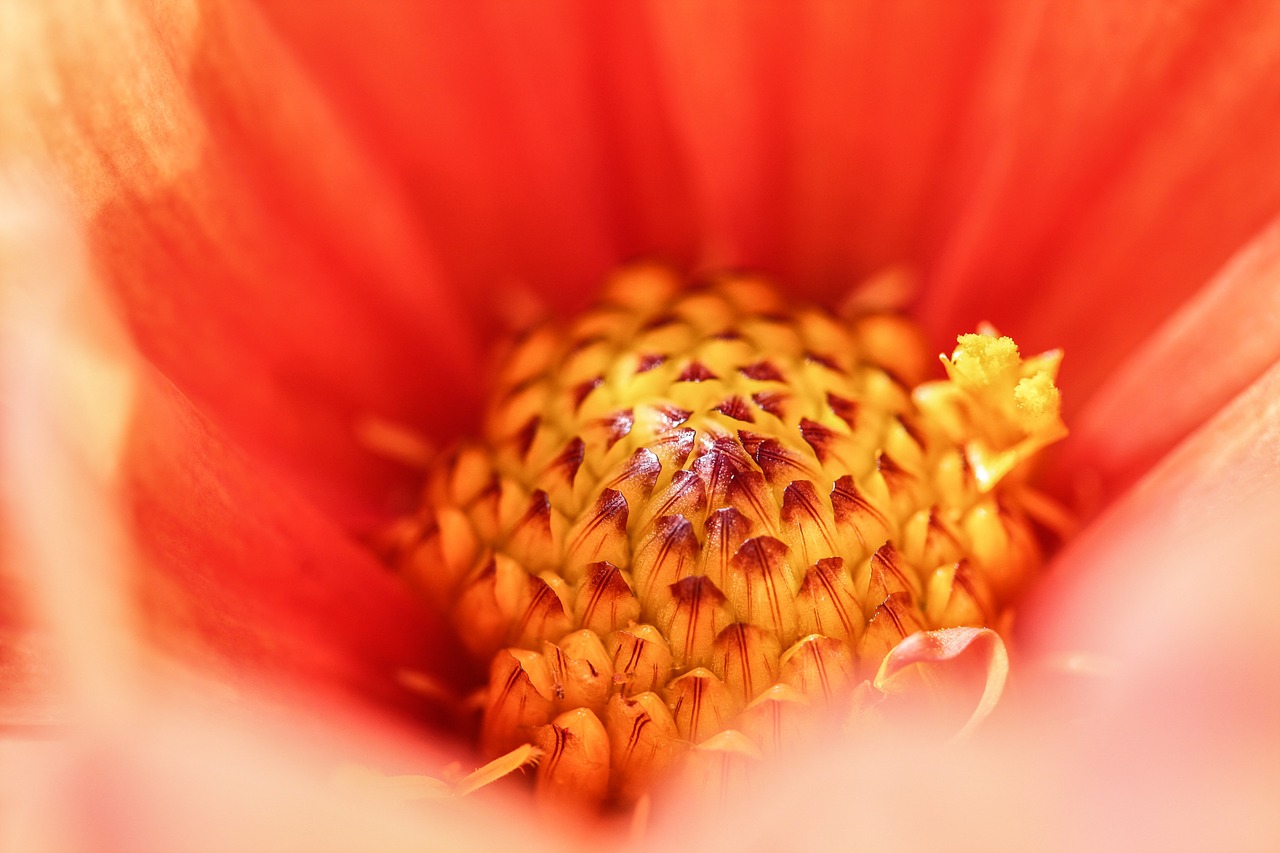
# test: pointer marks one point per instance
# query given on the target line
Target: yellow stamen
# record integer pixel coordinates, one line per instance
(415, 787)
(1002, 408)
(522, 756)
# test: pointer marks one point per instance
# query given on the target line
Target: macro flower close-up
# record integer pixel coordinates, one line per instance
(483, 425)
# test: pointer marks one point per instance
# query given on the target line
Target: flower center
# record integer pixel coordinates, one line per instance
(700, 507)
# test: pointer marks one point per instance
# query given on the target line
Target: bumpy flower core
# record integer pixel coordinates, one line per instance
(703, 509)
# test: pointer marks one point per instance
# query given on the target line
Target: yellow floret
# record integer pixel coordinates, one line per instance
(982, 361)
(1001, 407)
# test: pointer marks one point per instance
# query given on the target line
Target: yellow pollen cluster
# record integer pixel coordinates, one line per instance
(703, 514)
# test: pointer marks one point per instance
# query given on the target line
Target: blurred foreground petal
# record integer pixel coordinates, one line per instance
(209, 780)
(66, 390)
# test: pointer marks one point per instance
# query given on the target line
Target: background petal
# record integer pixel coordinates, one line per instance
(1113, 157)
(532, 138)
(1212, 348)
(246, 579)
(1030, 158)
(816, 132)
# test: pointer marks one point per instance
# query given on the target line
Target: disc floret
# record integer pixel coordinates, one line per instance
(701, 511)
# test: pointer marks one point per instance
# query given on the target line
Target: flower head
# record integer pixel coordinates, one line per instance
(701, 509)
(279, 225)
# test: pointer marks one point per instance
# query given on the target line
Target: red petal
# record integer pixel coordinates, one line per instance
(878, 92)
(815, 131)
(246, 580)
(533, 139)
(710, 55)
(1116, 156)
(1206, 353)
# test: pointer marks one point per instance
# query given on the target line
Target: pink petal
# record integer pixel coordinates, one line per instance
(1193, 543)
(170, 780)
(1173, 593)
(946, 672)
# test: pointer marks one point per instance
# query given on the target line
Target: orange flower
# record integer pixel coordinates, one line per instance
(311, 218)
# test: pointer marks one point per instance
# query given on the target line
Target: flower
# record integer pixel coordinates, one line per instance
(301, 215)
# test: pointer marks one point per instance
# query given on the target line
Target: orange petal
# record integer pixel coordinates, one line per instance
(217, 187)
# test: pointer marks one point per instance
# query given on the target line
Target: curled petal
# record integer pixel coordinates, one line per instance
(951, 667)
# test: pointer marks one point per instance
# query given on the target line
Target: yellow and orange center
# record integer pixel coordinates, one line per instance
(701, 510)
